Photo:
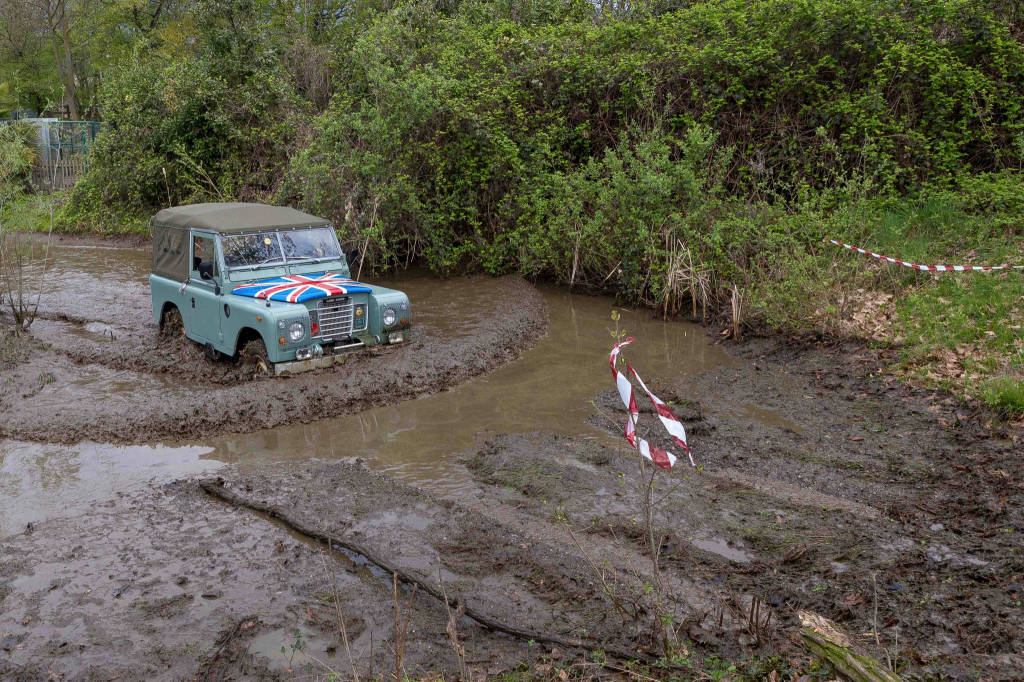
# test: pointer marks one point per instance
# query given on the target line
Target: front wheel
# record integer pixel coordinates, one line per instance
(254, 354)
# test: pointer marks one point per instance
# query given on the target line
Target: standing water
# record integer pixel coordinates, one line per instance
(549, 389)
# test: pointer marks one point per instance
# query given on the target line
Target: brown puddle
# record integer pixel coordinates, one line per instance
(771, 418)
(121, 263)
(40, 480)
(548, 389)
(100, 278)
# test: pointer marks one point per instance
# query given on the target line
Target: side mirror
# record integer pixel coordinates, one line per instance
(351, 257)
(206, 269)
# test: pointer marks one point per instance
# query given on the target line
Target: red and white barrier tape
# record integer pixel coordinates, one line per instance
(935, 268)
(662, 458)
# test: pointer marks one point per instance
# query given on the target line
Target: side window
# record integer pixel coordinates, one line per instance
(203, 254)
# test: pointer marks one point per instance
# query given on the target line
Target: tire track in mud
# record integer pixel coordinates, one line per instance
(453, 601)
(125, 390)
(170, 566)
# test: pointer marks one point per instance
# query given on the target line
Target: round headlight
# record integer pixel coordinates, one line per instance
(388, 317)
(296, 331)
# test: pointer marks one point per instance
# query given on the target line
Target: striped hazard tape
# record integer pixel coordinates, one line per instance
(662, 458)
(934, 268)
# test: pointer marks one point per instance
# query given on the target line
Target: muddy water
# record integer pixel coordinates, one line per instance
(96, 275)
(548, 388)
(39, 481)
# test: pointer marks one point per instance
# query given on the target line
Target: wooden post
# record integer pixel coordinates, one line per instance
(824, 639)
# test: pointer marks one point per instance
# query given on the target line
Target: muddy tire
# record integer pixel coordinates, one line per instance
(254, 356)
(171, 324)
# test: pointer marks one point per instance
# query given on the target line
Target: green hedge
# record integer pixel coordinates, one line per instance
(659, 154)
(669, 154)
(564, 147)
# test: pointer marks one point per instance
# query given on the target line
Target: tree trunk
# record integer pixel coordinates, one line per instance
(70, 87)
(59, 64)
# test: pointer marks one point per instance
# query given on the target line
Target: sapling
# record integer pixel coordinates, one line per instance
(647, 473)
(16, 260)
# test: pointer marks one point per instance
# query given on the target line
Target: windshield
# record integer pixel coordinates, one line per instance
(318, 243)
(276, 248)
(252, 250)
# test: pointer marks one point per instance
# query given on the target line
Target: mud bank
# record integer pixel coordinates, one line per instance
(888, 511)
(219, 588)
(894, 512)
(175, 584)
(97, 368)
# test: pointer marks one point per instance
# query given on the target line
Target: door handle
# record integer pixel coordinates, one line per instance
(193, 303)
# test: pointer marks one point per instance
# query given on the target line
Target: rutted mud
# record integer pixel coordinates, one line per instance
(896, 514)
(100, 371)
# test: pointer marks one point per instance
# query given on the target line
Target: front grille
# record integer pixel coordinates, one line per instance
(334, 316)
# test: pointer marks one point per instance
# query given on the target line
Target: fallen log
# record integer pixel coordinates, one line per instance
(455, 601)
(826, 640)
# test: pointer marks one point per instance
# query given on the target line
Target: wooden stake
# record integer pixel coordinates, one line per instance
(826, 640)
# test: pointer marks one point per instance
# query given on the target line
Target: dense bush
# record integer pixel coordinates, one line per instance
(218, 124)
(564, 145)
(17, 154)
(660, 154)
(675, 153)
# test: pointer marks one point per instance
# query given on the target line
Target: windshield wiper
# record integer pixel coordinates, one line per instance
(264, 262)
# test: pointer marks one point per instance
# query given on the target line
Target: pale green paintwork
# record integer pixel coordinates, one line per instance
(206, 321)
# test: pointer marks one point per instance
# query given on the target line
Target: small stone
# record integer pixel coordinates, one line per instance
(9, 642)
(936, 527)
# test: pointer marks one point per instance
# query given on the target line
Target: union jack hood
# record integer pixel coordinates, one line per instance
(299, 288)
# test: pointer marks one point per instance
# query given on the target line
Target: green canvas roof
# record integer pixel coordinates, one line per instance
(235, 217)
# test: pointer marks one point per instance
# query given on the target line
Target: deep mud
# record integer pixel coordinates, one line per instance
(895, 513)
(821, 487)
(99, 369)
(173, 585)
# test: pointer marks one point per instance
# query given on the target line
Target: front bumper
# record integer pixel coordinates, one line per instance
(318, 357)
(314, 360)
